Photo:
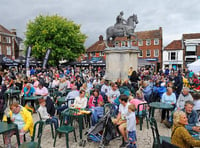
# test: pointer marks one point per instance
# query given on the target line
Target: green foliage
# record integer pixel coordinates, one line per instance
(57, 33)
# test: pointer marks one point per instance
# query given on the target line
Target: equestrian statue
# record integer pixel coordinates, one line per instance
(122, 27)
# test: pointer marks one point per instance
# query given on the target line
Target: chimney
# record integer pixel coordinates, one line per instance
(13, 31)
(100, 38)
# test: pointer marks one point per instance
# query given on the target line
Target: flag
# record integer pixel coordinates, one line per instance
(46, 58)
(28, 54)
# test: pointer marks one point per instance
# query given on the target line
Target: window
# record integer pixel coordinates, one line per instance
(171, 56)
(116, 44)
(148, 42)
(156, 41)
(133, 43)
(148, 53)
(141, 53)
(86, 55)
(190, 53)
(140, 43)
(0, 50)
(190, 48)
(92, 54)
(123, 44)
(101, 53)
(8, 40)
(8, 50)
(156, 53)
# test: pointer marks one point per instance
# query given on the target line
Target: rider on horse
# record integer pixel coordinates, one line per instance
(121, 22)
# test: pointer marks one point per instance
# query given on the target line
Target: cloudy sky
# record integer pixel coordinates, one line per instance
(174, 16)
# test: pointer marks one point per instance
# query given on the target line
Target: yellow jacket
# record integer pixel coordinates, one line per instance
(185, 82)
(182, 138)
(26, 115)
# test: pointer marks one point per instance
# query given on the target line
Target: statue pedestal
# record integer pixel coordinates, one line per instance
(119, 60)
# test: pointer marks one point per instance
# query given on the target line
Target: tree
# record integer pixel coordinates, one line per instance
(62, 36)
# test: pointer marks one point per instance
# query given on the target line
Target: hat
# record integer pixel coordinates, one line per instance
(41, 101)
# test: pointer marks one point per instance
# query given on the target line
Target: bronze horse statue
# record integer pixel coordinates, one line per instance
(120, 30)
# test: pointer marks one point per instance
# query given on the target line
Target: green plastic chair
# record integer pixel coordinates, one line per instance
(51, 91)
(157, 139)
(142, 114)
(66, 128)
(56, 94)
(34, 144)
(47, 123)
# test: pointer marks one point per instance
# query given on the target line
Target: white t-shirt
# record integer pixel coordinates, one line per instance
(113, 95)
(80, 102)
(123, 110)
(105, 89)
(131, 122)
(42, 91)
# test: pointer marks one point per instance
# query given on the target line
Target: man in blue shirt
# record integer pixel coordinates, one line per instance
(147, 90)
(29, 91)
(192, 117)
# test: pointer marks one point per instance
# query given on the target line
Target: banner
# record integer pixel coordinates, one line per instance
(28, 54)
(46, 58)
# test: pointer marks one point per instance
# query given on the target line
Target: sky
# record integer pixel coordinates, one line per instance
(176, 17)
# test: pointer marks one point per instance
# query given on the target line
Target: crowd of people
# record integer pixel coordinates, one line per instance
(92, 91)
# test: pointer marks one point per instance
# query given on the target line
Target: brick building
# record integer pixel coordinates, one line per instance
(149, 42)
(191, 45)
(9, 45)
(97, 49)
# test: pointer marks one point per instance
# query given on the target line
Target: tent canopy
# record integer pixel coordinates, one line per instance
(7, 61)
(195, 66)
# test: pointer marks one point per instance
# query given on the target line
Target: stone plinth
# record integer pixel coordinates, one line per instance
(119, 60)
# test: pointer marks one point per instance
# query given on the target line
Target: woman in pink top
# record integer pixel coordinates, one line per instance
(95, 100)
(136, 102)
(96, 106)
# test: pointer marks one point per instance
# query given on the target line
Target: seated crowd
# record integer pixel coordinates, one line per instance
(82, 89)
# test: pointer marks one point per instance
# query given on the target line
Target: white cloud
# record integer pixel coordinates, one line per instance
(176, 17)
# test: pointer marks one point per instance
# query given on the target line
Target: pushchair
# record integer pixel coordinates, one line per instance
(103, 131)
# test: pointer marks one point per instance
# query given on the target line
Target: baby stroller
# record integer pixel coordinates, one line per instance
(103, 131)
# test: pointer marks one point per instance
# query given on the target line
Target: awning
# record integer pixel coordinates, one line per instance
(7, 61)
(143, 62)
(22, 60)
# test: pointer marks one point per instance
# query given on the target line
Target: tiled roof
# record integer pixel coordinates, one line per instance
(174, 45)
(124, 38)
(4, 30)
(151, 34)
(191, 36)
(98, 46)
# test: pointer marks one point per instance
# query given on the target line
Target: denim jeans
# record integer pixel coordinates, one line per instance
(132, 139)
(53, 120)
(97, 112)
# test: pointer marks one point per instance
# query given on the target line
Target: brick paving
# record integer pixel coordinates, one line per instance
(144, 137)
